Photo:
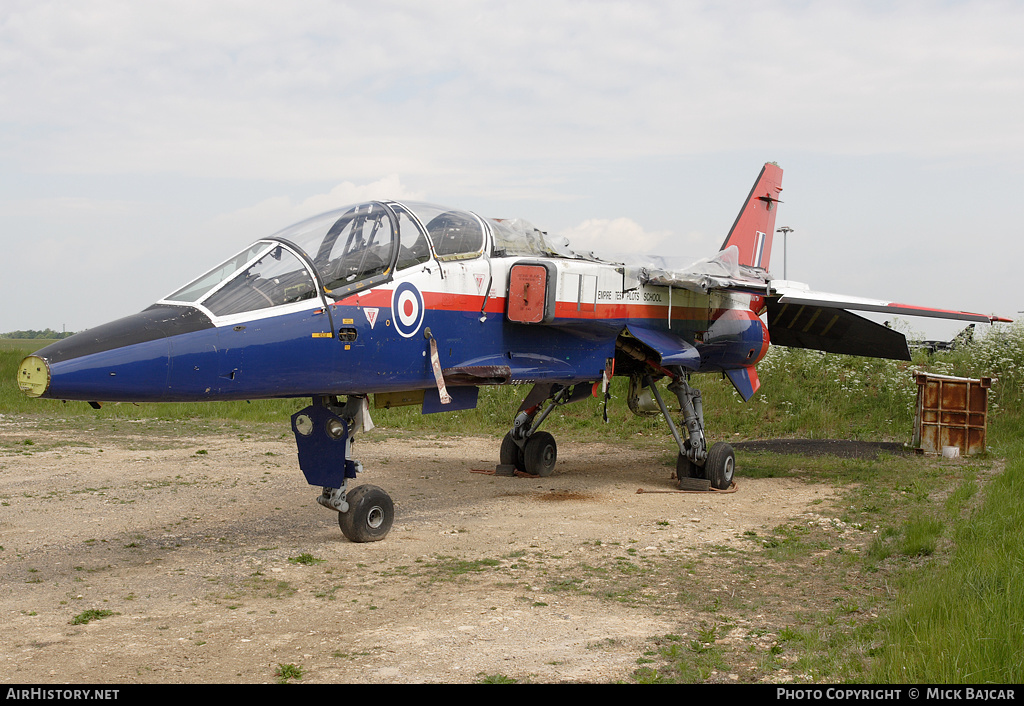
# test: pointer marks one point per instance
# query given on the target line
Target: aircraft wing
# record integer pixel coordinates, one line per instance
(757, 281)
(802, 318)
(799, 317)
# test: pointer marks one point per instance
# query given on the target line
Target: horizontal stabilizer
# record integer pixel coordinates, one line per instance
(833, 330)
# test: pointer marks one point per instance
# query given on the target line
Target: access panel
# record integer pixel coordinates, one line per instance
(531, 293)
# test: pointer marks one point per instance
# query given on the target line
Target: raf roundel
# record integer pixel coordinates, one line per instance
(407, 309)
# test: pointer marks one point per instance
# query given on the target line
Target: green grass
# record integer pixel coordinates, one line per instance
(24, 346)
(682, 661)
(495, 679)
(305, 559)
(961, 620)
(284, 672)
(87, 616)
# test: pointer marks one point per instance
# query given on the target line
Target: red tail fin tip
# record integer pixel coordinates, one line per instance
(754, 228)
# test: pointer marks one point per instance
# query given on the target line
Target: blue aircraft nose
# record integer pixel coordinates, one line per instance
(127, 360)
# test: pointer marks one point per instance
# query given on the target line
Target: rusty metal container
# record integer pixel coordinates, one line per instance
(951, 411)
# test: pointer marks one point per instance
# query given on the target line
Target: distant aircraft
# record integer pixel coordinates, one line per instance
(420, 304)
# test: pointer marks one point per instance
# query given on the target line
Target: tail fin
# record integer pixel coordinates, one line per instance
(755, 225)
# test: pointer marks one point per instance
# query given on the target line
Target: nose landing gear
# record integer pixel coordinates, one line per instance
(324, 434)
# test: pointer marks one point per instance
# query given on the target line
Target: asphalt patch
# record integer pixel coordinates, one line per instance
(841, 448)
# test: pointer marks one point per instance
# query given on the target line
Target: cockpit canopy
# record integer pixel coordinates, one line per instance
(353, 248)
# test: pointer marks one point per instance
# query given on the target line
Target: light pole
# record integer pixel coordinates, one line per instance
(785, 230)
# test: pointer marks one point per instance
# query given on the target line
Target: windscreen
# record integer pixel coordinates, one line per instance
(195, 290)
(277, 278)
(263, 275)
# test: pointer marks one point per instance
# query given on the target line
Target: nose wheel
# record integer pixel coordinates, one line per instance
(370, 514)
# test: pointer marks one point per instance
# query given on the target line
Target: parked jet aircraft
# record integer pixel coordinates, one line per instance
(415, 303)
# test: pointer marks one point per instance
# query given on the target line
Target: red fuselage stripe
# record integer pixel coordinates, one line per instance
(563, 310)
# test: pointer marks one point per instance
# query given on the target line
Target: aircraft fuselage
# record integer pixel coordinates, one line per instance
(378, 340)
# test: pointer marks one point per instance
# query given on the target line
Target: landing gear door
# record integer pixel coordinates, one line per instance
(531, 292)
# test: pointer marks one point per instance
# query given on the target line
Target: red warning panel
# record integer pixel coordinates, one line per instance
(527, 293)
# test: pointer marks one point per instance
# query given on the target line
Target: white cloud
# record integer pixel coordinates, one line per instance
(389, 187)
(616, 235)
(320, 90)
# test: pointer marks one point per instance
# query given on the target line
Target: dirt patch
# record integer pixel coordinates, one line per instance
(211, 561)
(562, 495)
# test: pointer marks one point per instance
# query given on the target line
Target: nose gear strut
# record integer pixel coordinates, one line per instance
(324, 433)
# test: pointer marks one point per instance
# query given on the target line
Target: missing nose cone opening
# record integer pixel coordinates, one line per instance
(34, 376)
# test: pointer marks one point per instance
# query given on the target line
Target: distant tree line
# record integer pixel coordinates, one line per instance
(45, 333)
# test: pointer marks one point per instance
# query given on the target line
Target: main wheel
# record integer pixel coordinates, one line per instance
(540, 454)
(720, 466)
(511, 454)
(370, 514)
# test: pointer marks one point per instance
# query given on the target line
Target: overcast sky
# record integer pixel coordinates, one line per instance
(141, 143)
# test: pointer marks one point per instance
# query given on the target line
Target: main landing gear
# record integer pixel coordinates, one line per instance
(324, 434)
(526, 448)
(534, 452)
(716, 465)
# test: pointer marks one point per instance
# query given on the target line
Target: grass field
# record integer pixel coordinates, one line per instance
(24, 345)
(953, 545)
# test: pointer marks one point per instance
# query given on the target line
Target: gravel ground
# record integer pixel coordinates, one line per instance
(211, 562)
